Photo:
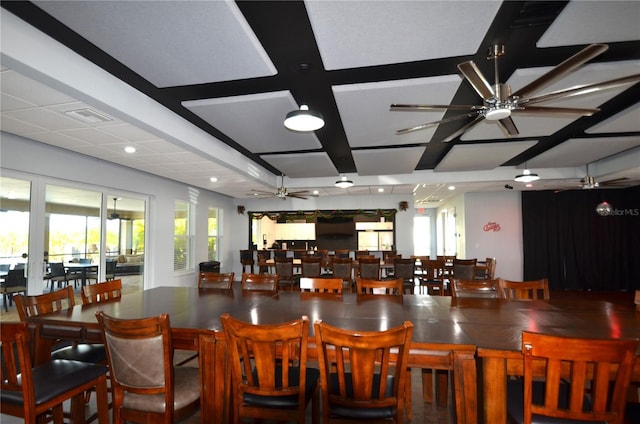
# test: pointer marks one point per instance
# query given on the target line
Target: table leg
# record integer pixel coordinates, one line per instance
(466, 387)
(494, 385)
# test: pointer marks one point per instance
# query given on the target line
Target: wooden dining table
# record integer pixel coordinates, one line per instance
(491, 328)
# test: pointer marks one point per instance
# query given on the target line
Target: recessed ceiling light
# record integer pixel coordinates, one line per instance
(452, 187)
(380, 190)
(316, 192)
(130, 149)
(213, 179)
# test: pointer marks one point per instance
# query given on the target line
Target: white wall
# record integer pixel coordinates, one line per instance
(42, 163)
(504, 209)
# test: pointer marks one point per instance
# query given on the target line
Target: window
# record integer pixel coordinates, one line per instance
(182, 238)
(213, 234)
(14, 222)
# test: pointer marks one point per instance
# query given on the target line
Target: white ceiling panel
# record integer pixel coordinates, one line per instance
(584, 22)
(476, 157)
(312, 165)
(626, 121)
(170, 42)
(575, 152)
(387, 161)
(255, 121)
(28, 90)
(352, 34)
(366, 117)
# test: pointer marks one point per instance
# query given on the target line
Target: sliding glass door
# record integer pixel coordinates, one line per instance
(15, 201)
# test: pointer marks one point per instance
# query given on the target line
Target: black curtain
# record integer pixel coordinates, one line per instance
(567, 241)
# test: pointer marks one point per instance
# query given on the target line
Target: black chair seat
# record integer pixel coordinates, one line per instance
(515, 403)
(363, 413)
(313, 375)
(92, 353)
(56, 378)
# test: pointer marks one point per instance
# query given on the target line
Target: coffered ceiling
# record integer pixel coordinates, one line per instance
(201, 88)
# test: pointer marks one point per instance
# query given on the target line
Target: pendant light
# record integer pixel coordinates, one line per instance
(304, 120)
(526, 176)
(344, 183)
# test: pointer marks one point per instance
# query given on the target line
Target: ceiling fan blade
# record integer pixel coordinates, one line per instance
(462, 130)
(297, 196)
(262, 192)
(416, 108)
(614, 181)
(508, 126)
(476, 79)
(434, 123)
(544, 110)
(562, 69)
(583, 89)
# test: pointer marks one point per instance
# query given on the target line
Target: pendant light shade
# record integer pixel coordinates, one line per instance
(344, 183)
(304, 120)
(526, 177)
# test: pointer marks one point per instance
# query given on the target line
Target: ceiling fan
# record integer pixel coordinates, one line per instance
(589, 183)
(499, 103)
(282, 192)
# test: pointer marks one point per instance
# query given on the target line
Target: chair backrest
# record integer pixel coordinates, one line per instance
(532, 289)
(101, 292)
(265, 282)
(491, 268)
(433, 269)
(256, 351)
(370, 286)
(246, 257)
(140, 356)
(404, 268)
(362, 373)
(464, 269)
(597, 391)
(56, 269)
(342, 268)
(342, 253)
(284, 267)
(15, 278)
(321, 285)
(361, 253)
(369, 268)
(279, 253)
(84, 260)
(311, 266)
(390, 255)
(474, 288)
(15, 372)
(214, 280)
(110, 268)
(29, 306)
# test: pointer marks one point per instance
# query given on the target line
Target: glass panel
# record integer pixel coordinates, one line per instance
(182, 237)
(15, 198)
(212, 231)
(422, 236)
(125, 235)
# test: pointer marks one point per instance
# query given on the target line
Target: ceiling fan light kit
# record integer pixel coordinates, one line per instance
(344, 183)
(526, 177)
(304, 120)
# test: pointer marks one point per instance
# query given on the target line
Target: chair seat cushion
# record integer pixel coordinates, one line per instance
(313, 375)
(186, 391)
(55, 378)
(515, 403)
(92, 353)
(362, 413)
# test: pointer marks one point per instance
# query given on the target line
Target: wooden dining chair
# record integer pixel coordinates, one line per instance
(262, 282)
(464, 269)
(246, 260)
(363, 373)
(269, 370)
(369, 268)
(405, 269)
(532, 289)
(311, 266)
(572, 379)
(215, 280)
(146, 386)
(101, 292)
(432, 276)
(29, 306)
(32, 392)
(321, 285)
(58, 275)
(343, 268)
(474, 288)
(367, 286)
(284, 269)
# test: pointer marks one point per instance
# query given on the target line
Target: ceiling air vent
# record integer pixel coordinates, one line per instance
(88, 116)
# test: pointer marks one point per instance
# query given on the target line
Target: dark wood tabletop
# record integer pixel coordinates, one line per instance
(493, 325)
